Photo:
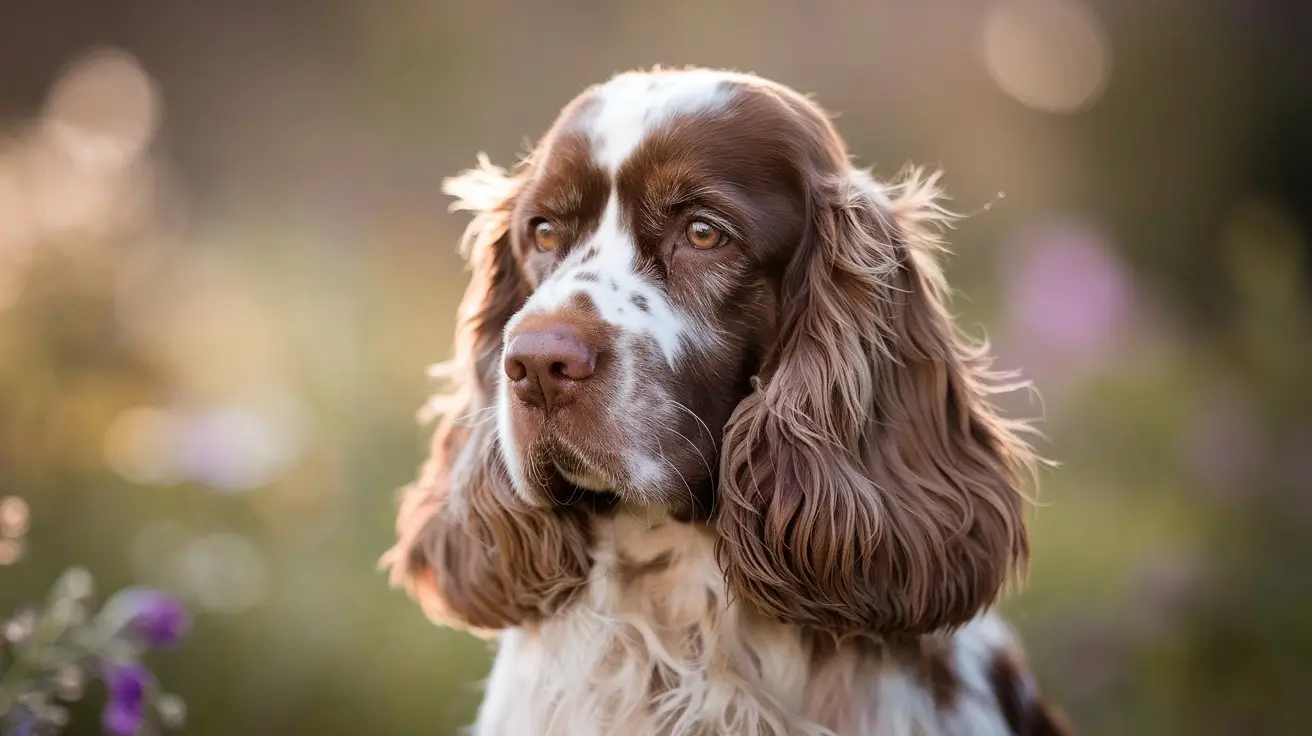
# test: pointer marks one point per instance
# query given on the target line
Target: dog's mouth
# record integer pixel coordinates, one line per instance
(580, 472)
(573, 479)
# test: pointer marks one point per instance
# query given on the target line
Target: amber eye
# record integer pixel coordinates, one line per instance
(702, 235)
(545, 236)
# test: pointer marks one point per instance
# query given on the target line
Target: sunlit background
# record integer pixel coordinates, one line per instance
(225, 262)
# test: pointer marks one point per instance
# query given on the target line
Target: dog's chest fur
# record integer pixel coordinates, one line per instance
(656, 647)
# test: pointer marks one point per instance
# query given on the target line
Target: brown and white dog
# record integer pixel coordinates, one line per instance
(717, 460)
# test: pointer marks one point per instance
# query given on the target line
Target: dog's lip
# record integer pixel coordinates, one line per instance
(584, 478)
(578, 471)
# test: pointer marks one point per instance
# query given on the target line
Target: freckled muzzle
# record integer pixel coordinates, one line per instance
(561, 385)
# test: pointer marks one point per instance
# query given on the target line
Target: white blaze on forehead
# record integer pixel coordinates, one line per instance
(631, 105)
(605, 269)
(627, 109)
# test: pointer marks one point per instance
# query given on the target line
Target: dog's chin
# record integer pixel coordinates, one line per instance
(574, 482)
(586, 479)
(561, 492)
(577, 469)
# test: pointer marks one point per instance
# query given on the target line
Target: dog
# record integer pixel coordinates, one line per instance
(716, 459)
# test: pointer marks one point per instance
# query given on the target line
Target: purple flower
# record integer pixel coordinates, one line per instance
(159, 620)
(24, 722)
(125, 709)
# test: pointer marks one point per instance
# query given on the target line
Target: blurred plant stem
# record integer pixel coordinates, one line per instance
(64, 602)
(57, 648)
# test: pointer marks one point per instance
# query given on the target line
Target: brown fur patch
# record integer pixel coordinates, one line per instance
(1025, 715)
(570, 193)
(929, 660)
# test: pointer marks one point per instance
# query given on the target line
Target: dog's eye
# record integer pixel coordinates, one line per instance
(545, 236)
(702, 235)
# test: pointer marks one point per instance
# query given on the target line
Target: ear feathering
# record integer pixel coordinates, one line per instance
(469, 551)
(868, 485)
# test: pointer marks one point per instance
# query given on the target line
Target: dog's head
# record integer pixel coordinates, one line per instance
(687, 296)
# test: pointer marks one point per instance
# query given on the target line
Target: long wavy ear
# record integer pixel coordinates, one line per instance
(868, 485)
(472, 553)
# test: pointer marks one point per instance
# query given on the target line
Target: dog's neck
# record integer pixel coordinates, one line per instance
(657, 645)
(643, 551)
(655, 626)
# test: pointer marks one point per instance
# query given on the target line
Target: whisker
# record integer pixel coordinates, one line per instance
(699, 420)
(479, 417)
(700, 455)
(692, 497)
(706, 463)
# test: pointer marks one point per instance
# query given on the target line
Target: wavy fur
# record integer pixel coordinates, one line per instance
(472, 553)
(868, 485)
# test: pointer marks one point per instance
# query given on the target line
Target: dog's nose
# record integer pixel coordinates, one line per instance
(545, 366)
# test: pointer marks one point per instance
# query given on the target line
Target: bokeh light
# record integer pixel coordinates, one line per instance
(223, 572)
(234, 450)
(1068, 289)
(1050, 55)
(13, 529)
(1069, 303)
(103, 110)
(229, 449)
(14, 517)
(139, 446)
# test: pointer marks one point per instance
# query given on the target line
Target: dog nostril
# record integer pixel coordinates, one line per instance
(578, 368)
(516, 370)
(575, 370)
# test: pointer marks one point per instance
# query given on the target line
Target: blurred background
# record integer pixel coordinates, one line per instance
(225, 262)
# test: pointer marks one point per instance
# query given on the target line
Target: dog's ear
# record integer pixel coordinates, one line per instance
(497, 288)
(468, 549)
(868, 485)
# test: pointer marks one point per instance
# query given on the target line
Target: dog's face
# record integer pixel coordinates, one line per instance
(653, 228)
(686, 296)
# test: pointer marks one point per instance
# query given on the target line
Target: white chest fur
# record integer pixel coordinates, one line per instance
(655, 647)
